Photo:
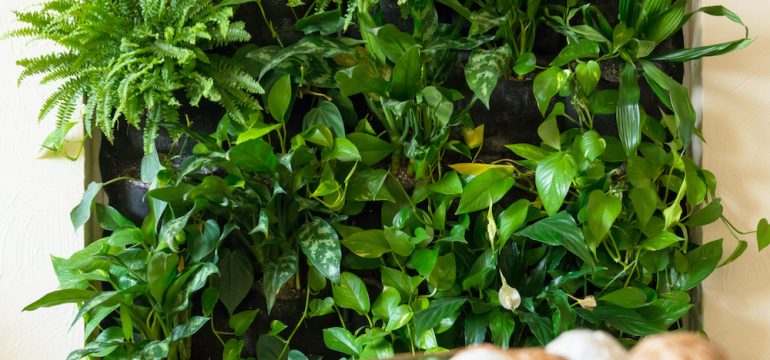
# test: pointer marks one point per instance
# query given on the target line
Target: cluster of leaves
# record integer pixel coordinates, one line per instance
(133, 60)
(352, 204)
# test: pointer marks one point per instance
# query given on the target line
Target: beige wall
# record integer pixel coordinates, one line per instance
(736, 109)
(36, 196)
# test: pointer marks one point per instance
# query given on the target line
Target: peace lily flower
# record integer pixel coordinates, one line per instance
(509, 297)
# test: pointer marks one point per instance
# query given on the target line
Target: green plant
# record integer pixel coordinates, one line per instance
(134, 286)
(136, 60)
(588, 228)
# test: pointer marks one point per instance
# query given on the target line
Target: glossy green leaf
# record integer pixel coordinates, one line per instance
(321, 307)
(501, 325)
(386, 303)
(548, 131)
(706, 215)
(449, 184)
(702, 262)
(371, 148)
(279, 98)
(511, 219)
(424, 260)
(150, 166)
(484, 68)
(161, 270)
(628, 297)
(58, 297)
(668, 23)
(81, 213)
(254, 155)
(444, 273)
(405, 81)
(237, 276)
(547, 84)
(319, 241)
(588, 75)
(485, 190)
(482, 271)
(628, 112)
(525, 63)
(277, 274)
(576, 50)
(601, 211)
(553, 178)
(400, 281)
(763, 234)
(256, 133)
(399, 317)
(341, 340)
(685, 55)
(367, 244)
(393, 42)
(327, 114)
(560, 230)
(592, 145)
(644, 201)
(739, 250)
(325, 23)
(351, 293)
(430, 317)
(110, 219)
(241, 321)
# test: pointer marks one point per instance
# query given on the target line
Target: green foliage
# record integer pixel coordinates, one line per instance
(137, 60)
(590, 227)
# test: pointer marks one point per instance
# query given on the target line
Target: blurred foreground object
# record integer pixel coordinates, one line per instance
(491, 352)
(677, 346)
(587, 344)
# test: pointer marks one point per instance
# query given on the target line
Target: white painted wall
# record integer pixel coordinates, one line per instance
(36, 196)
(736, 109)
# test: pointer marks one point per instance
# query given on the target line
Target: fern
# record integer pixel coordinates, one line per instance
(129, 60)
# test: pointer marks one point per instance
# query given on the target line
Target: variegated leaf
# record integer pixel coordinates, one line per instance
(484, 69)
(321, 245)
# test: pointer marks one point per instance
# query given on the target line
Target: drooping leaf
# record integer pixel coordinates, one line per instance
(81, 213)
(58, 297)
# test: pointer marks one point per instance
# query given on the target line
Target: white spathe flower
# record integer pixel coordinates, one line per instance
(509, 297)
(584, 344)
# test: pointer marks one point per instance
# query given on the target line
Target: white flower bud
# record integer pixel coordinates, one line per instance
(509, 297)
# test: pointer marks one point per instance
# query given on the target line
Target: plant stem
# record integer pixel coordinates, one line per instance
(301, 320)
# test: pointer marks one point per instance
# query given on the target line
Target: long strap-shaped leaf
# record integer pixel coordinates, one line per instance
(708, 50)
(678, 98)
(627, 112)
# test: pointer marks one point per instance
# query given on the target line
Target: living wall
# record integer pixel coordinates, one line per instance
(293, 179)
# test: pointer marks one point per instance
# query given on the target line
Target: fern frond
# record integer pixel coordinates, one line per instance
(56, 62)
